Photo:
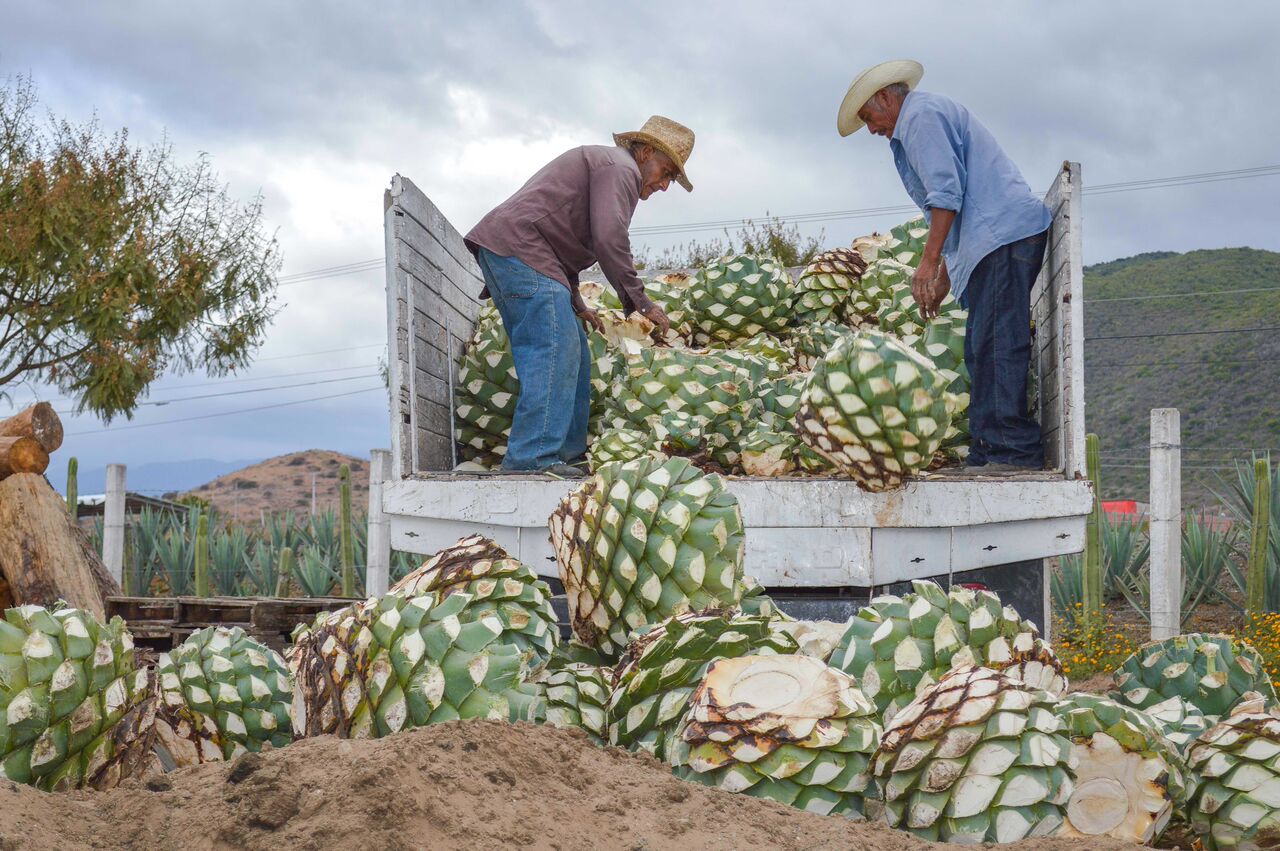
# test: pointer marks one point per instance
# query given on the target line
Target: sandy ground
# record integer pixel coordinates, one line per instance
(472, 785)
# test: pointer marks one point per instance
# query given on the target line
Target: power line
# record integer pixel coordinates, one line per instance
(221, 381)
(369, 265)
(1183, 295)
(321, 352)
(1177, 362)
(1100, 189)
(1185, 333)
(251, 390)
(1145, 466)
(230, 413)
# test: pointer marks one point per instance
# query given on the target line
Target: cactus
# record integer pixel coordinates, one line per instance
(348, 546)
(1259, 543)
(284, 574)
(73, 489)
(1093, 540)
(202, 556)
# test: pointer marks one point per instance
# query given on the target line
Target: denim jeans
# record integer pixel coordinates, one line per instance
(997, 352)
(552, 361)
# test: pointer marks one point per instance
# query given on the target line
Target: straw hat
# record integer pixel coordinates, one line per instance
(871, 81)
(673, 139)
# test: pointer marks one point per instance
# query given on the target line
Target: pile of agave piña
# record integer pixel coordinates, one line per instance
(942, 713)
(831, 374)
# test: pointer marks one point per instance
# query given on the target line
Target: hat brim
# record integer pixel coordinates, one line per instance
(655, 142)
(868, 83)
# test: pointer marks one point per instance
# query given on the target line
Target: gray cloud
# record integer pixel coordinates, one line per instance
(317, 104)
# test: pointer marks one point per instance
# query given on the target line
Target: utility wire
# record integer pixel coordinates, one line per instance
(230, 413)
(1089, 365)
(1100, 189)
(321, 352)
(1182, 295)
(1184, 333)
(242, 392)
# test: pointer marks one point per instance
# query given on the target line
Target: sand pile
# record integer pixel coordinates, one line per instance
(458, 785)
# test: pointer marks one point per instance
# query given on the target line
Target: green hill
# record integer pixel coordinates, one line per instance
(1225, 385)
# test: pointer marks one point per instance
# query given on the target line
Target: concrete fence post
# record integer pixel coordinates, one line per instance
(1166, 523)
(378, 542)
(113, 523)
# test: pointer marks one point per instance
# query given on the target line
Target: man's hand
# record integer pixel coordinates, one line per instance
(592, 318)
(937, 291)
(930, 286)
(655, 315)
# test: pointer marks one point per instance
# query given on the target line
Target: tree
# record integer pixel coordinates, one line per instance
(117, 263)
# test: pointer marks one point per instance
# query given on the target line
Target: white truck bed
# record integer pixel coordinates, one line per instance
(801, 532)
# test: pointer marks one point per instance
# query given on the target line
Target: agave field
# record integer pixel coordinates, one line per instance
(1216, 554)
(941, 712)
(243, 560)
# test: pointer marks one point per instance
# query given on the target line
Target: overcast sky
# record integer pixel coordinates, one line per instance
(317, 104)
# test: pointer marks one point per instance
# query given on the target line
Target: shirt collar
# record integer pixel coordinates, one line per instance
(902, 113)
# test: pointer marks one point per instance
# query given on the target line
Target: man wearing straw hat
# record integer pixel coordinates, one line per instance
(987, 236)
(573, 213)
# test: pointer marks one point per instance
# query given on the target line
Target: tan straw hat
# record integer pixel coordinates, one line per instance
(871, 81)
(673, 139)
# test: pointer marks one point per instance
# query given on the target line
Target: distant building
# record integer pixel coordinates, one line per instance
(93, 505)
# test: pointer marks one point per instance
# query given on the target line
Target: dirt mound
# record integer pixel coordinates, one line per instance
(462, 785)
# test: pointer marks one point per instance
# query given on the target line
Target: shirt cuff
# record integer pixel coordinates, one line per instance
(943, 201)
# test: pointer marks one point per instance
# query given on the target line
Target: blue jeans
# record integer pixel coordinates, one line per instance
(997, 352)
(552, 361)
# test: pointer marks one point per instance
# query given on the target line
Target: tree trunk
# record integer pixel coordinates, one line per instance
(44, 556)
(22, 455)
(39, 421)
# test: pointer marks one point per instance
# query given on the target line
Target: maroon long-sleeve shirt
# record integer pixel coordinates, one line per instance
(573, 213)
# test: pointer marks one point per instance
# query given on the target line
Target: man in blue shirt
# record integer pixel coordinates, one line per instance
(986, 242)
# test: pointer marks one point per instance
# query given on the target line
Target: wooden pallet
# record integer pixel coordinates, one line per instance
(160, 623)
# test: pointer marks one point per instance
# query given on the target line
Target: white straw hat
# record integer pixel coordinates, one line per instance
(871, 81)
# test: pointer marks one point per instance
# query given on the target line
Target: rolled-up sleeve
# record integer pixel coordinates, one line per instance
(932, 147)
(614, 195)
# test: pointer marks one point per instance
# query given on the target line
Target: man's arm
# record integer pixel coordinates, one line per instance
(614, 196)
(931, 147)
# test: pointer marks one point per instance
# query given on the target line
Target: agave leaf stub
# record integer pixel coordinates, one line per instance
(1129, 776)
(1236, 803)
(783, 727)
(977, 757)
(222, 693)
(644, 540)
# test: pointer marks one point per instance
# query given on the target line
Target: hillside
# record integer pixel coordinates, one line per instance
(284, 484)
(1222, 383)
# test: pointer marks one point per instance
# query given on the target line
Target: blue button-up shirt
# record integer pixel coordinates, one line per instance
(949, 161)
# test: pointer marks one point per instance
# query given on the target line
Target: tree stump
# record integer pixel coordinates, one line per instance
(22, 455)
(39, 422)
(44, 556)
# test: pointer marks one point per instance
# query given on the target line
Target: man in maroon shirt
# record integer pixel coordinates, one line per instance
(573, 213)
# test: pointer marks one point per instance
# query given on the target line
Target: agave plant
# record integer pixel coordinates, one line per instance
(176, 551)
(1236, 493)
(261, 569)
(1206, 555)
(1125, 553)
(226, 560)
(316, 572)
(141, 556)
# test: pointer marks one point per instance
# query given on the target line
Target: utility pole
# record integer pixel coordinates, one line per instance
(313, 493)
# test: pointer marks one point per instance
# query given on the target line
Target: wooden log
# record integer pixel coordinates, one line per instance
(39, 421)
(22, 455)
(44, 556)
